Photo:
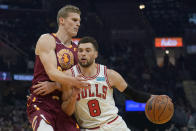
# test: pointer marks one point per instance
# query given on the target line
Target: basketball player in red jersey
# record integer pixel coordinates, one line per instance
(54, 53)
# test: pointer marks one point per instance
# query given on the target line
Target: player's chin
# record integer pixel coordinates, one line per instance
(85, 65)
(74, 34)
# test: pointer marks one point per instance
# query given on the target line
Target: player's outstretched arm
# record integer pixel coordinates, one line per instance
(117, 81)
(45, 48)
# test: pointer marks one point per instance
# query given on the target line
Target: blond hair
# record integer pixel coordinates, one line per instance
(64, 11)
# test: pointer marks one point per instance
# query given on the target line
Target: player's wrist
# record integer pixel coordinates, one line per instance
(57, 86)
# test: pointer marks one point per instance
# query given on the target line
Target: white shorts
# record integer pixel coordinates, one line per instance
(117, 125)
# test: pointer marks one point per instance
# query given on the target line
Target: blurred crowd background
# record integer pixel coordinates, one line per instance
(126, 32)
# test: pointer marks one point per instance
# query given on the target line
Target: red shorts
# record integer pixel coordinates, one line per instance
(49, 109)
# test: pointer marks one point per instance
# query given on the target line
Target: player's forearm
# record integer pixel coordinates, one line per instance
(136, 95)
(69, 106)
(58, 86)
(58, 76)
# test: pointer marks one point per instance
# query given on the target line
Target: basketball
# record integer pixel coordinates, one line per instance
(159, 109)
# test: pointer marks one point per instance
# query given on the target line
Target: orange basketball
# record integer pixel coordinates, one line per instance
(159, 109)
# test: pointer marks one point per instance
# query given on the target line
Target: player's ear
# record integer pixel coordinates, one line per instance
(61, 20)
(96, 54)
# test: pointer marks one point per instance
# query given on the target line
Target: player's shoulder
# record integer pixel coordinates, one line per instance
(111, 73)
(46, 37)
(45, 42)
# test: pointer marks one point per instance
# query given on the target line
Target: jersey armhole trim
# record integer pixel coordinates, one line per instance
(72, 72)
(106, 76)
(57, 41)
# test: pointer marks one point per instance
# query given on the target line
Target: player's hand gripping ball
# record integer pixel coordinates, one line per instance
(159, 109)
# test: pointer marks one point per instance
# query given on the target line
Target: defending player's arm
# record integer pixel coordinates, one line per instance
(69, 93)
(117, 81)
(69, 100)
(69, 97)
(45, 48)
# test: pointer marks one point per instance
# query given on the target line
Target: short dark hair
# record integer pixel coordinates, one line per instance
(88, 39)
(63, 12)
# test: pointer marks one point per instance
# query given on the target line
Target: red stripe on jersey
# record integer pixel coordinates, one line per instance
(77, 67)
(73, 74)
(106, 76)
(89, 78)
(107, 123)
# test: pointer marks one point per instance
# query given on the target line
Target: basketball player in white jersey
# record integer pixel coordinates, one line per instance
(95, 108)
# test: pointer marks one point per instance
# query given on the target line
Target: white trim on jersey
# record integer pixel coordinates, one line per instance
(43, 126)
(89, 78)
(106, 76)
(117, 125)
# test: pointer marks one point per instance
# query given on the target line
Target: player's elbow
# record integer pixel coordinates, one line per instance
(69, 113)
(52, 78)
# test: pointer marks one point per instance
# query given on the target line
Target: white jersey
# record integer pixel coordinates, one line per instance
(95, 106)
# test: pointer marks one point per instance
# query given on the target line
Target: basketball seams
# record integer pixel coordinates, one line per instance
(150, 116)
(166, 119)
(169, 116)
(163, 110)
(154, 111)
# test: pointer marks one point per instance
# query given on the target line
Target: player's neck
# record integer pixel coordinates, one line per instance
(89, 71)
(64, 37)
